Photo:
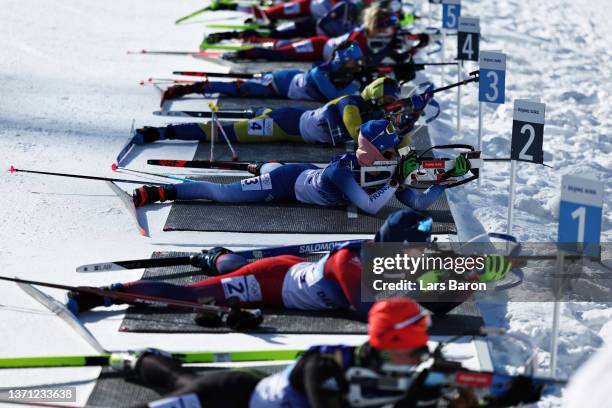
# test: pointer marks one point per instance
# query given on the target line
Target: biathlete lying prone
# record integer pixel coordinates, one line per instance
(323, 82)
(288, 281)
(338, 183)
(335, 122)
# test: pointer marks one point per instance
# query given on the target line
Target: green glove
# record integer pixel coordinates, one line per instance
(461, 166)
(407, 165)
(496, 268)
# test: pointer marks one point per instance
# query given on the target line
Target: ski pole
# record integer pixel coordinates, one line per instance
(215, 122)
(80, 176)
(115, 167)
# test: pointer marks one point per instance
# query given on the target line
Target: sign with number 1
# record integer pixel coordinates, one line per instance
(492, 83)
(528, 131)
(451, 10)
(580, 213)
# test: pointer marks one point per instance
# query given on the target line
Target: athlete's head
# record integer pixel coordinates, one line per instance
(381, 91)
(376, 142)
(347, 56)
(379, 21)
(405, 225)
(397, 327)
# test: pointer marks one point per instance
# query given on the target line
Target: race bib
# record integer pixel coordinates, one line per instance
(260, 127)
(291, 9)
(246, 288)
(303, 47)
(263, 182)
(185, 401)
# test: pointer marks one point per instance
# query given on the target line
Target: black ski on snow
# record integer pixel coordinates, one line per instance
(127, 200)
(62, 312)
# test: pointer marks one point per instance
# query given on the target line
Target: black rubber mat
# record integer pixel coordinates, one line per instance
(464, 318)
(289, 217)
(292, 217)
(113, 390)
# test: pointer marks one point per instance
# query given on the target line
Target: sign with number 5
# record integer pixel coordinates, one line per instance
(451, 10)
(528, 131)
(580, 213)
(492, 83)
(468, 38)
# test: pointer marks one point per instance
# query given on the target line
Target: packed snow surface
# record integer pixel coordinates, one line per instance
(69, 96)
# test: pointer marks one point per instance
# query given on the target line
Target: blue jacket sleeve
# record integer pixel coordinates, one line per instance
(325, 85)
(420, 201)
(371, 204)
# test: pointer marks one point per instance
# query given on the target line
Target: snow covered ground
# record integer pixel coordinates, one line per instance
(70, 93)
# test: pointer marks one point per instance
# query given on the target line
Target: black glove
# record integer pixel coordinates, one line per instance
(312, 371)
(522, 390)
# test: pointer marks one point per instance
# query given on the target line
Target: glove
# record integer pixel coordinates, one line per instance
(496, 268)
(407, 165)
(522, 391)
(238, 319)
(423, 40)
(462, 166)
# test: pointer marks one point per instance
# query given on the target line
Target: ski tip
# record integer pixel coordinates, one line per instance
(114, 166)
(141, 82)
(12, 169)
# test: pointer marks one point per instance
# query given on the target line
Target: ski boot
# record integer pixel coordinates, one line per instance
(151, 194)
(177, 91)
(230, 56)
(127, 362)
(78, 302)
(207, 260)
(147, 134)
(214, 38)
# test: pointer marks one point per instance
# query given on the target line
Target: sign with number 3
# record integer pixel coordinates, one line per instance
(492, 83)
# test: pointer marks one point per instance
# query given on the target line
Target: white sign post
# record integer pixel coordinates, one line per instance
(468, 44)
(579, 225)
(527, 142)
(491, 85)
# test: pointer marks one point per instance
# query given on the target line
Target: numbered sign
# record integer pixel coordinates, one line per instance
(492, 83)
(580, 213)
(435, 1)
(451, 10)
(468, 38)
(528, 131)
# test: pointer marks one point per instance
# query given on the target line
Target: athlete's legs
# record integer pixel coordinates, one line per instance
(310, 49)
(276, 125)
(213, 389)
(254, 89)
(256, 284)
(278, 185)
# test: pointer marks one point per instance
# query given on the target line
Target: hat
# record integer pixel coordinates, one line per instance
(397, 323)
(405, 225)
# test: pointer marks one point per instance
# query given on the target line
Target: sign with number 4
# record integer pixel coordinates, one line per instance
(468, 38)
(580, 213)
(528, 131)
(451, 10)
(492, 83)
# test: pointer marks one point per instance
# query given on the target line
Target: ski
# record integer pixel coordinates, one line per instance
(229, 114)
(196, 260)
(128, 146)
(129, 204)
(195, 54)
(63, 313)
(146, 173)
(233, 47)
(189, 357)
(202, 164)
(216, 74)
